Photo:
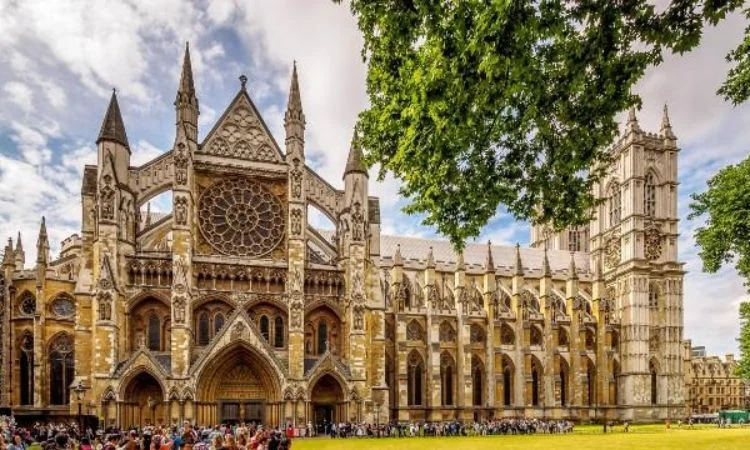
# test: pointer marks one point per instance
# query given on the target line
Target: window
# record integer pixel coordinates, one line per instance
(477, 381)
(653, 297)
(61, 370)
(27, 369)
(447, 368)
(278, 332)
(615, 204)
(654, 393)
(154, 333)
(218, 323)
(574, 240)
(264, 327)
(203, 328)
(322, 337)
(649, 196)
(414, 379)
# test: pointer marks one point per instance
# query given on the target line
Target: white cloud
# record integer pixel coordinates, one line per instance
(20, 94)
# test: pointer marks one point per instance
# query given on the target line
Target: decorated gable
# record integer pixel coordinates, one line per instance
(241, 134)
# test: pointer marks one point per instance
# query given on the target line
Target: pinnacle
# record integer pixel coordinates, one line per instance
(294, 103)
(113, 128)
(546, 271)
(460, 263)
(519, 264)
(489, 263)
(572, 274)
(187, 85)
(666, 126)
(430, 259)
(19, 244)
(397, 259)
(355, 163)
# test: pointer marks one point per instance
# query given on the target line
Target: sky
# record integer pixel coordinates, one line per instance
(60, 60)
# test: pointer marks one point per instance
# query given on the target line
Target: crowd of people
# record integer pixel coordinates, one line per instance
(455, 428)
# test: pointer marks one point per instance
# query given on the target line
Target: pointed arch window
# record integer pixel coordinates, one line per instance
(154, 333)
(415, 380)
(278, 332)
(615, 204)
(447, 368)
(203, 329)
(26, 378)
(649, 195)
(654, 384)
(477, 381)
(322, 337)
(218, 323)
(264, 327)
(61, 370)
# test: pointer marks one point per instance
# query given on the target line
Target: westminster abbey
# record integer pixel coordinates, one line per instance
(232, 307)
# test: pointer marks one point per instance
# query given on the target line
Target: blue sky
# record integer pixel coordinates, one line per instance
(61, 59)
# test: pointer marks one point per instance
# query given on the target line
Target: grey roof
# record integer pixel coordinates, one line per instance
(415, 250)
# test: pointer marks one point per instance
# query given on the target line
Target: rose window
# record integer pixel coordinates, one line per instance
(242, 218)
(28, 305)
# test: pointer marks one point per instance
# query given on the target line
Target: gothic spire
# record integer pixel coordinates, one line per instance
(113, 128)
(354, 162)
(187, 85)
(546, 271)
(397, 259)
(666, 127)
(19, 244)
(430, 263)
(572, 273)
(42, 243)
(489, 264)
(519, 264)
(632, 124)
(294, 103)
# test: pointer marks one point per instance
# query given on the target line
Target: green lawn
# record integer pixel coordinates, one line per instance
(640, 437)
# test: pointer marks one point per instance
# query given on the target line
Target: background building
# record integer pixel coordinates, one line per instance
(233, 307)
(711, 384)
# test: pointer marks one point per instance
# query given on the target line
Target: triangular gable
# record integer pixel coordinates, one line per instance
(239, 328)
(241, 133)
(330, 364)
(141, 360)
(106, 277)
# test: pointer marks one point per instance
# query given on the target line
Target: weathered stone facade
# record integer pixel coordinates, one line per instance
(232, 307)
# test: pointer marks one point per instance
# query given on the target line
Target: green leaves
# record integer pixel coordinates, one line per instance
(743, 366)
(726, 207)
(476, 104)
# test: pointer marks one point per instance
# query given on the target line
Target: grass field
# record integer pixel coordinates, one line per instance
(584, 438)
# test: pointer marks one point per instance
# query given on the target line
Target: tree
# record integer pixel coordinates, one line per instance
(743, 366)
(480, 104)
(725, 237)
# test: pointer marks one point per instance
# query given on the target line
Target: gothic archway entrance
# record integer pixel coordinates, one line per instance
(143, 402)
(328, 402)
(238, 385)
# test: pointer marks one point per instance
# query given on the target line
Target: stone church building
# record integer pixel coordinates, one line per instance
(233, 307)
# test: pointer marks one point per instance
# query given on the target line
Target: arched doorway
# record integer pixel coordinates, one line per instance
(238, 385)
(144, 402)
(328, 404)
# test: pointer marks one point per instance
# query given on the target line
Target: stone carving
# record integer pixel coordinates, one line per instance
(358, 313)
(107, 198)
(180, 164)
(295, 225)
(295, 315)
(295, 280)
(104, 303)
(447, 333)
(356, 283)
(295, 176)
(476, 334)
(179, 308)
(180, 210)
(358, 222)
(180, 268)
(433, 298)
(414, 331)
(242, 135)
(239, 331)
(654, 341)
(652, 242)
(241, 218)
(612, 252)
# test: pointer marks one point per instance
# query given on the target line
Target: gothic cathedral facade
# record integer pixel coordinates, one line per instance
(234, 308)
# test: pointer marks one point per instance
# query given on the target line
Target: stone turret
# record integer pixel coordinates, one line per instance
(113, 140)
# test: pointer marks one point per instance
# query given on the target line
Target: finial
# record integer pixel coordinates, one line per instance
(489, 263)
(430, 263)
(243, 81)
(355, 160)
(546, 271)
(666, 127)
(397, 259)
(519, 263)
(19, 244)
(572, 274)
(632, 123)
